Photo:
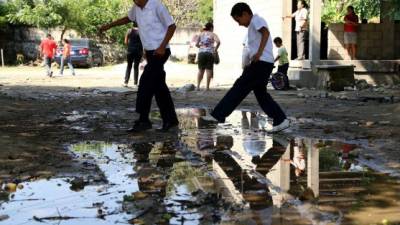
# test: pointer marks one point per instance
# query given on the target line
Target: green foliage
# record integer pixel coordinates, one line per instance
(42, 14)
(335, 10)
(85, 16)
(395, 12)
(102, 12)
(329, 159)
(183, 12)
(3, 13)
(205, 11)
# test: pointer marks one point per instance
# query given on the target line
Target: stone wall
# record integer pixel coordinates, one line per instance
(25, 40)
(370, 43)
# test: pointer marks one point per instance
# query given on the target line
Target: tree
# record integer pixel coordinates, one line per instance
(85, 16)
(183, 11)
(334, 10)
(205, 11)
(42, 14)
(3, 14)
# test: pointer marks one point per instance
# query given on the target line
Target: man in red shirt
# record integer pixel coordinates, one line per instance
(350, 32)
(47, 50)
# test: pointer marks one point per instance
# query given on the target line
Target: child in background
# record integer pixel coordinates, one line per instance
(282, 56)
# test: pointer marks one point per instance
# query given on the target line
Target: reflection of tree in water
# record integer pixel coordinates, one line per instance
(182, 174)
(96, 148)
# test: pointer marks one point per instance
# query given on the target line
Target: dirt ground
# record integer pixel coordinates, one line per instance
(34, 111)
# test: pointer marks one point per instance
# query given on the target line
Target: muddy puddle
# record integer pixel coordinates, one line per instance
(232, 173)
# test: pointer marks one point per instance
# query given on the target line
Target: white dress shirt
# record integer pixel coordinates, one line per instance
(153, 22)
(254, 39)
(300, 16)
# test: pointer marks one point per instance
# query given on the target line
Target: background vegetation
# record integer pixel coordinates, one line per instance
(85, 16)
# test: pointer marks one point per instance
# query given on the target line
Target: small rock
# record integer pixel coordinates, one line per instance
(354, 123)
(369, 123)
(4, 217)
(77, 184)
(139, 195)
(349, 88)
(343, 97)
(224, 142)
(389, 99)
(362, 84)
(11, 187)
(324, 95)
(300, 95)
(384, 122)
(186, 88)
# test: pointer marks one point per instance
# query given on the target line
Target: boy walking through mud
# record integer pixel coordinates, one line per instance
(156, 28)
(255, 76)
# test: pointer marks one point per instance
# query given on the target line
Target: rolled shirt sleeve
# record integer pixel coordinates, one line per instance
(259, 23)
(132, 14)
(164, 16)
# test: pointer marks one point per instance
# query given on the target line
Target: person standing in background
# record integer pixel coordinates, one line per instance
(350, 32)
(208, 44)
(134, 54)
(301, 28)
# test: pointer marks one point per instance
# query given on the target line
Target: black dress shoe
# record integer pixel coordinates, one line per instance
(140, 126)
(168, 126)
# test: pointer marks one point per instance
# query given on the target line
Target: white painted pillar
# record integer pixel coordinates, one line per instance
(287, 26)
(279, 176)
(315, 31)
(313, 167)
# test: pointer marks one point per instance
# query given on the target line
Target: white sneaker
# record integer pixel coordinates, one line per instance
(284, 125)
(209, 118)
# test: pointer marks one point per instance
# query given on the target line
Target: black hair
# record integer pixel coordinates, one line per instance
(351, 7)
(304, 3)
(209, 26)
(48, 35)
(66, 41)
(278, 40)
(239, 8)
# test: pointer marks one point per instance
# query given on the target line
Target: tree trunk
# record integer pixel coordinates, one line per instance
(63, 32)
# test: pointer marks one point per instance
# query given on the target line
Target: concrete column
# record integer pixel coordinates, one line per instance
(287, 26)
(313, 167)
(315, 31)
(279, 176)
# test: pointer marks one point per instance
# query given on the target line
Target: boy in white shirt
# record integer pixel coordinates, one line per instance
(255, 76)
(156, 28)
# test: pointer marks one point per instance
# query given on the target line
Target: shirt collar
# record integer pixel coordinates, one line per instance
(252, 18)
(147, 6)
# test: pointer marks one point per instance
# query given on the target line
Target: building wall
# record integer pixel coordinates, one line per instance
(370, 43)
(232, 35)
(180, 42)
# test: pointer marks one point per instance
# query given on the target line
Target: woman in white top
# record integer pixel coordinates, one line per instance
(301, 18)
(208, 44)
